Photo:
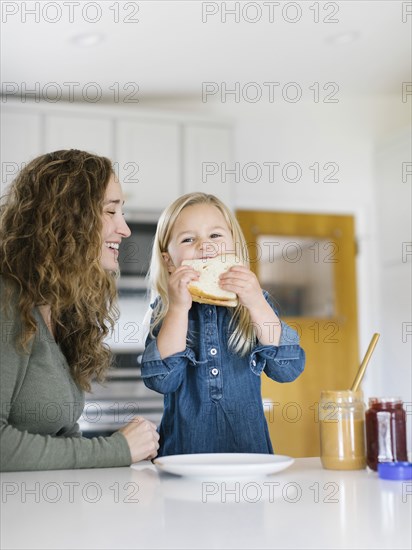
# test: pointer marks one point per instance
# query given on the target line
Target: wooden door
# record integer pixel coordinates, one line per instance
(325, 316)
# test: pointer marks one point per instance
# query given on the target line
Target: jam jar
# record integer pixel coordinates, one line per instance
(342, 430)
(385, 431)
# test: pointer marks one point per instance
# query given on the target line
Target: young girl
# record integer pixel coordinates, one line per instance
(207, 360)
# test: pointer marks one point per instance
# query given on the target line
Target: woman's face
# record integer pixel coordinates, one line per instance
(114, 226)
(200, 231)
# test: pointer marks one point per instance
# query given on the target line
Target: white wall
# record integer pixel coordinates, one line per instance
(394, 200)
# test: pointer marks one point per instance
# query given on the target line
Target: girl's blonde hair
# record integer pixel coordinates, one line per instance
(50, 254)
(242, 333)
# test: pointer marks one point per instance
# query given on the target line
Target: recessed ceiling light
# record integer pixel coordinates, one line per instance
(343, 37)
(87, 39)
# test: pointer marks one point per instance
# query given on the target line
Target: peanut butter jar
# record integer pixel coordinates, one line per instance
(342, 430)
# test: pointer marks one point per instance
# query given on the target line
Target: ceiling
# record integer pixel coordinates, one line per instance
(167, 51)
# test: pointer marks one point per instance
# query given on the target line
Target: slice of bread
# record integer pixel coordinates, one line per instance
(207, 290)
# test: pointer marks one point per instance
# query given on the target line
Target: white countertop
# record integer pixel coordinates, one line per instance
(304, 506)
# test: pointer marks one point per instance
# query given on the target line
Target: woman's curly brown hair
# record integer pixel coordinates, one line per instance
(50, 247)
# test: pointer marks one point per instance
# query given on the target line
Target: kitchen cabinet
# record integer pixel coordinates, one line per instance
(148, 159)
(208, 155)
(21, 141)
(157, 155)
(71, 131)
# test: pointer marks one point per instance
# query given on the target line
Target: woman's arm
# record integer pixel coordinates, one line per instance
(30, 448)
(39, 409)
(21, 450)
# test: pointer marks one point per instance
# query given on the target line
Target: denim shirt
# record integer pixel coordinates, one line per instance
(212, 397)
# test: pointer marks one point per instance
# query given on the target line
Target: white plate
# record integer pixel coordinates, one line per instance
(223, 464)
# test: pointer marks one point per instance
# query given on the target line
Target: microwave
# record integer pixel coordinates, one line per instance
(135, 252)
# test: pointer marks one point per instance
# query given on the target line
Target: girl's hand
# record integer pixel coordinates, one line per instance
(179, 296)
(244, 282)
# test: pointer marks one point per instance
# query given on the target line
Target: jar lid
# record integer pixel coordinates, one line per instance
(341, 396)
(395, 470)
(373, 400)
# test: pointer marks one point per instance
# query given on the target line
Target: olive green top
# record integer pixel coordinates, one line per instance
(40, 406)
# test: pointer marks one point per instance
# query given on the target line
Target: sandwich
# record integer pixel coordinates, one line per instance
(207, 290)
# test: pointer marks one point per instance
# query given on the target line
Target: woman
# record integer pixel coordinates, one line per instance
(60, 230)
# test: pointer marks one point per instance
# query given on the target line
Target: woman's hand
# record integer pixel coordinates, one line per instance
(142, 438)
(179, 296)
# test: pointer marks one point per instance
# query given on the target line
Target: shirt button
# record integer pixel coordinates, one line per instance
(213, 351)
(215, 372)
(253, 363)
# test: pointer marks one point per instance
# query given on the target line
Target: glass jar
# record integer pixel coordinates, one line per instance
(385, 431)
(342, 430)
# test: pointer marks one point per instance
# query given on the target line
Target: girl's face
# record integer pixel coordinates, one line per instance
(200, 231)
(114, 225)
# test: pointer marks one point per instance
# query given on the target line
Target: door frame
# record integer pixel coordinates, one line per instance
(302, 438)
